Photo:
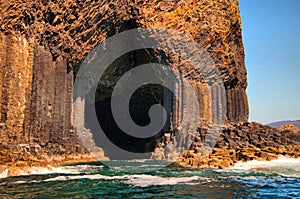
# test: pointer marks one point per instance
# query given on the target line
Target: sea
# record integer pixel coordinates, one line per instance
(155, 179)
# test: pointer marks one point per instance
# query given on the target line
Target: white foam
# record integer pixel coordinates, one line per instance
(77, 169)
(52, 170)
(75, 177)
(282, 161)
(135, 180)
(38, 170)
(29, 171)
(148, 180)
(283, 166)
(91, 177)
(46, 170)
(4, 174)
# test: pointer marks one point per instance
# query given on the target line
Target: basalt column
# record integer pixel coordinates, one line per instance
(16, 58)
(35, 98)
(216, 26)
(49, 121)
(43, 44)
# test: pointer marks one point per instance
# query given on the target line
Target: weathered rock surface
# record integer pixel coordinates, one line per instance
(245, 142)
(71, 29)
(42, 44)
(35, 105)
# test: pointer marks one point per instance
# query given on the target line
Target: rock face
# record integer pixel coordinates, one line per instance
(72, 29)
(244, 142)
(36, 104)
(35, 96)
(42, 44)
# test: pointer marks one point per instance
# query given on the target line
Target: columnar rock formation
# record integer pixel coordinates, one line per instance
(72, 29)
(16, 78)
(42, 44)
(36, 101)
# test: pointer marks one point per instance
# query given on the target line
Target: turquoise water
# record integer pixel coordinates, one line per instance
(148, 179)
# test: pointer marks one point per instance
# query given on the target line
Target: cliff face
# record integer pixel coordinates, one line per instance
(36, 102)
(34, 91)
(43, 42)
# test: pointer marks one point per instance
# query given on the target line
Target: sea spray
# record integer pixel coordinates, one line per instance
(283, 166)
(93, 180)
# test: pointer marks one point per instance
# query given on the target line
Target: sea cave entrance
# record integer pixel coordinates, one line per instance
(140, 103)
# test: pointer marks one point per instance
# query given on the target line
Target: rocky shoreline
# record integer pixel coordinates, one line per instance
(44, 163)
(245, 142)
(224, 158)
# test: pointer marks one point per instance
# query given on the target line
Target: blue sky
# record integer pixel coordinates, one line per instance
(271, 36)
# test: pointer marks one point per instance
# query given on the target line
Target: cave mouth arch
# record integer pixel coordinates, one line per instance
(140, 103)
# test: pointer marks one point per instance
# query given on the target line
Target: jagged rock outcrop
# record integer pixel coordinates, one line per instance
(249, 141)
